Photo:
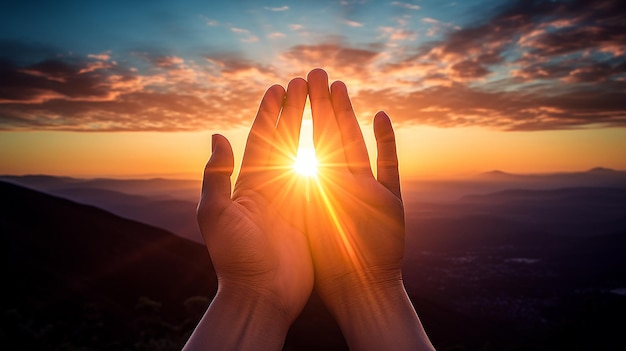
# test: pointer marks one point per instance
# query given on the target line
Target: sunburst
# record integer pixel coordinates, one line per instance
(306, 162)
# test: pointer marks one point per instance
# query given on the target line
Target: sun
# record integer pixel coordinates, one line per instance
(306, 162)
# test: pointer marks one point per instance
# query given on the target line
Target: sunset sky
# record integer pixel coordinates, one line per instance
(136, 88)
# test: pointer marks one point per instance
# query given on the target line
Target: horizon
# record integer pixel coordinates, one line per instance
(450, 177)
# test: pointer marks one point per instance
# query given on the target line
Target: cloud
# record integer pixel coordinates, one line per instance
(276, 35)
(352, 23)
(397, 34)
(250, 39)
(168, 61)
(239, 30)
(406, 5)
(172, 95)
(533, 66)
(246, 35)
(105, 56)
(277, 9)
(458, 106)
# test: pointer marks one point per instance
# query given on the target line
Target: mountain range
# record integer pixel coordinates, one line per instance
(529, 267)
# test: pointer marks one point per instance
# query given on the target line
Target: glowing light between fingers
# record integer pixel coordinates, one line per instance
(306, 162)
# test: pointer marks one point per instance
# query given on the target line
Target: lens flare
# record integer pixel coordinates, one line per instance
(306, 163)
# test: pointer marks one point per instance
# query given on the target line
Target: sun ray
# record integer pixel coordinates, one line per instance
(346, 241)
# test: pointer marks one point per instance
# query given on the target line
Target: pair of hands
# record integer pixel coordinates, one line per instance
(271, 243)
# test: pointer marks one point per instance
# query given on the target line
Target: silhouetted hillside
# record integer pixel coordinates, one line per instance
(78, 277)
(174, 215)
(153, 188)
(163, 203)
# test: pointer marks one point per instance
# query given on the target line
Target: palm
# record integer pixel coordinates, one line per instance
(253, 238)
(356, 222)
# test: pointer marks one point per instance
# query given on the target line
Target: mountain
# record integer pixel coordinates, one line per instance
(174, 215)
(84, 278)
(436, 190)
(181, 189)
(164, 203)
(598, 176)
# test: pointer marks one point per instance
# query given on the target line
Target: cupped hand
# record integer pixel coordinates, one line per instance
(355, 227)
(355, 224)
(256, 236)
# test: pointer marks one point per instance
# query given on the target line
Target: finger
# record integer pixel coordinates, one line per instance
(387, 161)
(355, 150)
(326, 135)
(260, 139)
(216, 181)
(288, 129)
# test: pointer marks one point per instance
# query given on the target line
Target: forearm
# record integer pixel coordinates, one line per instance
(379, 318)
(240, 320)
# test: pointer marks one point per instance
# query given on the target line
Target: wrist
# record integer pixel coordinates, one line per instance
(354, 287)
(240, 318)
(376, 314)
(256, 302)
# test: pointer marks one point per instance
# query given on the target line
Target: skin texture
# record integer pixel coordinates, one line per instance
(279, 234)
(255, 237)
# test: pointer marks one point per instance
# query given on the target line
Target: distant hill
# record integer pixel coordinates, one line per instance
(164, 203)
(181, 189)
(434, 190)
(586, 195)
(598, 176)
(76, 274)
(174, 215)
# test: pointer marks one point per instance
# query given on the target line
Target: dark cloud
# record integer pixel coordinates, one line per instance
(561, 64)
(96, 94)
(457, 105)
(469, 69)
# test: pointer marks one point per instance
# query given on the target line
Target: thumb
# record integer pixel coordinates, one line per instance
(216, 180)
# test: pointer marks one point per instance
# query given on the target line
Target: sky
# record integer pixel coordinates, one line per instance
(136, 88)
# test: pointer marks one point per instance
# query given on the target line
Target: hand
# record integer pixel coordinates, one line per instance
(355, 226)
(256, 238)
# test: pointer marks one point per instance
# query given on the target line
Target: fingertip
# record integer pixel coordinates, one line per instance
(219, 138)
(317, 81)
(222, 159)
(298, 85)
(382, 126)
(275, 90)
(296, 82)
(317, 73)
(338, 86)
(273, 99)
(381, 116)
